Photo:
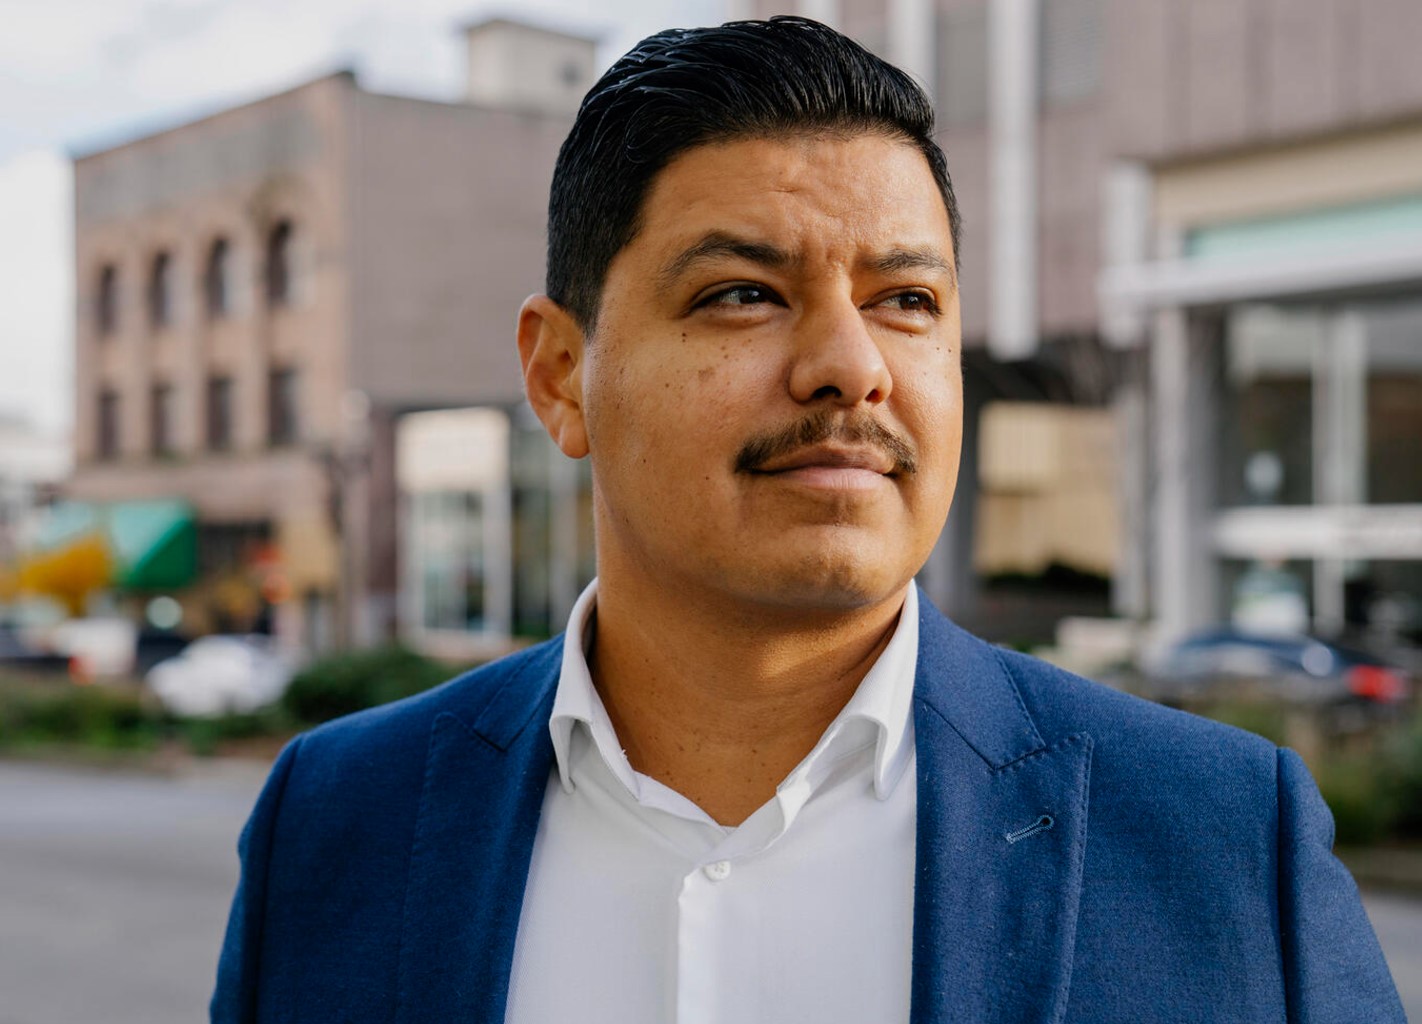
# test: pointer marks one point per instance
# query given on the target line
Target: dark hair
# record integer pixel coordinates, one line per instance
(690, 87)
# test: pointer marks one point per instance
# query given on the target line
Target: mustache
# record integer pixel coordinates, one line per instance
(821, 427)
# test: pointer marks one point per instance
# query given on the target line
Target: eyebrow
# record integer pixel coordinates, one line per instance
(900, 259)
(719, 245)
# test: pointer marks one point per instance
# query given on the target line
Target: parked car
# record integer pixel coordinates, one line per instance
(156, 646)
(16, 651)
(1293, 669)
(218, 675)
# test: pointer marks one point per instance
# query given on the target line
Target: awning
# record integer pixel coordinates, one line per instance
(154, 543)
(1335, 249)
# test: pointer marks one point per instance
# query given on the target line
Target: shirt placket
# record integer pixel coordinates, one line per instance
(702, 913)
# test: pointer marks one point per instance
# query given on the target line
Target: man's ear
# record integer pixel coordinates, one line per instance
(550, 345)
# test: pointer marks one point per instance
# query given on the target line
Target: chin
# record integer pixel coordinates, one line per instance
(829, 583)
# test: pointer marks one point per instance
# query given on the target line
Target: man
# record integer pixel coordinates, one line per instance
(760, 778)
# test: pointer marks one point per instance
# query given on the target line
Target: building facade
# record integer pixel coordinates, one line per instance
(1266, 187)
(264, 292)
(1190, 281)
(1198, 218)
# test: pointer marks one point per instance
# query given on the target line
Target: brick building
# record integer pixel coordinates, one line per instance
(262, 293)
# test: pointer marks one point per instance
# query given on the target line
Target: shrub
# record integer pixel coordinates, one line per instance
(346, 683)
(1355, 788)
(1404, 758)
(204, 736)
(86, 716)
(1267, 720)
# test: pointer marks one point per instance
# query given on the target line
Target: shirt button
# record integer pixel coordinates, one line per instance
(718, 871)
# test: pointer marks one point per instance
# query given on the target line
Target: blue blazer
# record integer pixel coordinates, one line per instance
(1178, 870)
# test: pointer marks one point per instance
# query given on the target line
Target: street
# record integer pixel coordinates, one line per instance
(114, 892)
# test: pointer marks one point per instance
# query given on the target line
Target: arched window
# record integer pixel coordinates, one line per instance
(279, 264)
(106, 311)
(219, 413)
(108, 424)
(217, 298)
(160, 291)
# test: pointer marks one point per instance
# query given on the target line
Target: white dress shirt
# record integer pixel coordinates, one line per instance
(641, 909)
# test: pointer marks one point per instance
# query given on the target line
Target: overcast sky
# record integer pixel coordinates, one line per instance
(79, 74)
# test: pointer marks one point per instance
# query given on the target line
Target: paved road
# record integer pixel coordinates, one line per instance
(114, 891)
(1398, 922)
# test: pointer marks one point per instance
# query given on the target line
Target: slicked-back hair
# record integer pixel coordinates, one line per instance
(684, 88)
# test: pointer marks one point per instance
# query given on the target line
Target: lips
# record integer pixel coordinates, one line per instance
(830, 457)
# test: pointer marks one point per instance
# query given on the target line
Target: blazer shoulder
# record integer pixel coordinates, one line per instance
(1062, 703)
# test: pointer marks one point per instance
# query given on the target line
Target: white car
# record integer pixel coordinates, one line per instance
(221, 675)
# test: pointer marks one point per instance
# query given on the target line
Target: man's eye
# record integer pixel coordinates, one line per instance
(913, 302)
(739, 295)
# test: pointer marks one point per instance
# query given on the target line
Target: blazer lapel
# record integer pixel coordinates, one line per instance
(485, 776)
(1001, 838)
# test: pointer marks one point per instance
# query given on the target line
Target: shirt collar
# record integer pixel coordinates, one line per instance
(883, 702)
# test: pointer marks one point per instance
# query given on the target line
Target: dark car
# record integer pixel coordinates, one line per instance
(1292, 669)
(16, 653)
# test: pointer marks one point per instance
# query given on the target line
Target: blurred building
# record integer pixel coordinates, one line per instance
(33, 464)
(1192, 271)
(1265, 206)
(264, 292)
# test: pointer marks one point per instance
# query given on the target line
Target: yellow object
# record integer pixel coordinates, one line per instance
(69, 574)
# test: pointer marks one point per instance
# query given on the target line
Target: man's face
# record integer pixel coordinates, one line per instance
(772, 398)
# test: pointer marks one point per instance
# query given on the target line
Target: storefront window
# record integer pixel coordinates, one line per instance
(1322, 409)
(1384, 600)
(1267, 452)
(450, 533)
(530, 451)
(1393, 334)
(554, 556)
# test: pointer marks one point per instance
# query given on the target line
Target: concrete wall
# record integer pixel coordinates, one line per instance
(523, 67)
(1332, 171)
(447, 210)
(1070, 158)
(1192, 77)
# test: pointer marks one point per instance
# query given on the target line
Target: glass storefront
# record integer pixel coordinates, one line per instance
(1318, 459)
(1267, 452)
(553, 552)
(497, 526)
(449, 526)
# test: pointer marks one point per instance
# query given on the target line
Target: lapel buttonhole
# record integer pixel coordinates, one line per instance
(1042, 824)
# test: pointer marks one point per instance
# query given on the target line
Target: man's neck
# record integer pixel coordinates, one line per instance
(721, 703)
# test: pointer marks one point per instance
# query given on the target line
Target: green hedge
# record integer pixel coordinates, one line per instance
(346, 683)
(94, 717)
(1374, 791)
(59, 714)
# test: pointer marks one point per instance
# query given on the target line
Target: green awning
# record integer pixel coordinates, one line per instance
(153, 542)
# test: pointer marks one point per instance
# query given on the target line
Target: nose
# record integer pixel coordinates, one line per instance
(836, 358)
